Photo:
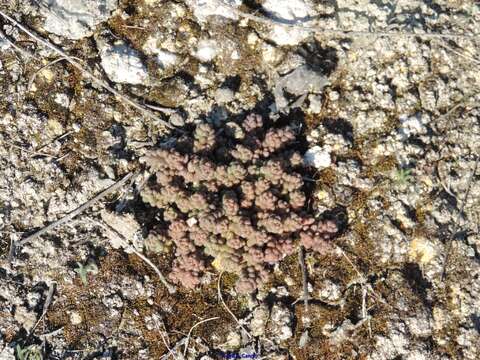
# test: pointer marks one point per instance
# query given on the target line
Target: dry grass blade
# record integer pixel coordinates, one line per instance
(191, 329)
(32, 79)
(303, 268)
(77, 211)
(346, 33)
(46, 305)
(80, 67)
(220, 298)
(462, 55)
(167, 343)
(171, 289)
(460, 212)
(51, 334)
(12, 44)
(31, 152)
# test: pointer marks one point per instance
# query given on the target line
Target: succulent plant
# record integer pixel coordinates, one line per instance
(232, 197)
(83, 270)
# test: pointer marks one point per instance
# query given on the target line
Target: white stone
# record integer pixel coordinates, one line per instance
(122, 64)
(177, 120)
(75, 318)
(413, 125)
(330, 291)
(75, 19)
(202, 9)
(281, 322)
(7, 353)
(24, 317)
(271, 54)
(318, 157)
(288, 12)
(62, 99)
(234, 340)
(224, 95)
(252, 39)
(206, 50)
(315, 104)
(4, 44)
(303, 339)
(191, 221)
(166, 59)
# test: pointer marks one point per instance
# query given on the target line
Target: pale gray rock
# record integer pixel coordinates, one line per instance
(300, 81)
(4, 44)
(25, 317)
(281, 322)
(177, 120)
(317, 157)
(330, 291)
(205, 9)
(75, 19)
(420, 325)
(289, 12)
(122, 64)
(413, 125)
(259, 320)
(388, 347)
(469, 339)
(224, 95)
(7, 353)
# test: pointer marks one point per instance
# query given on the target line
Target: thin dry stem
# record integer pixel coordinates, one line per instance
(301, 260)
(77, 211)
(191, 329)
(462, 55)
(80, 67)
(46, 305)
(347, 33)
(126, 246)
(460, 212)
(31, 152)
(167, 344)
(34, 76)
(220, 298)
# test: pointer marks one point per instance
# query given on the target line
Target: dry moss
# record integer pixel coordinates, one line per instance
(187, 308)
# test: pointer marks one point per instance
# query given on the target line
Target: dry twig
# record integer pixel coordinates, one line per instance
(46, 305)
(12, 44)
(125, 245)
(335, 32)
(301, 260)
(51, 333)
(77, 211)
(462, 55)
(166, 342)
(34, 76)
(220, 298)
(31, 152)
(80, 67)
(190, 332)
(460, 212)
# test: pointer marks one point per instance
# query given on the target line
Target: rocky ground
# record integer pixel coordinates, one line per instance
(392, 127)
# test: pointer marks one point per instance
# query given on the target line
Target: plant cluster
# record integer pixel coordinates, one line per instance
(31, 352)
(234, 193)
(83, 270)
